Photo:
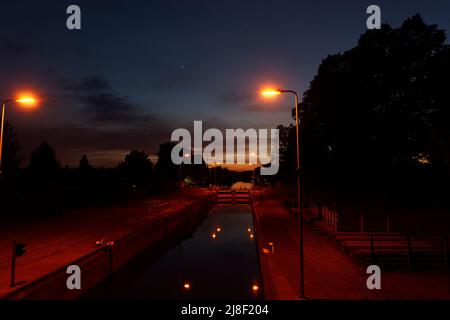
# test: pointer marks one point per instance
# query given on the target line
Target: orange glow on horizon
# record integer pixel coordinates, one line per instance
(255, 288)
(187, 286)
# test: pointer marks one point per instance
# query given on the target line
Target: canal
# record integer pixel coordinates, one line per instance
(215, 260)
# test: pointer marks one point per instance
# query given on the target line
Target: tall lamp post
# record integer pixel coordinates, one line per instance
(23, 100)
(187, 155)
(273, 93)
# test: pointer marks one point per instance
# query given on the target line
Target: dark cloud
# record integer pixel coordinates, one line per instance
(108, 107)
(266, 107)
(234, 97)
(102, 105)
(248, 102)
(12, 47)
(89, 84)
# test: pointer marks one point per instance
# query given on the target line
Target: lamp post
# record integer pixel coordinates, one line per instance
(214, 165)
(272, 93)
(187, 155)
(23, 100)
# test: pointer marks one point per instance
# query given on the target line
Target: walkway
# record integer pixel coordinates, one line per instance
(329, 273)
(58, 241)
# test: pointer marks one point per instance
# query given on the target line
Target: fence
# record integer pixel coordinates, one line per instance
(330, 217)
(427, 251)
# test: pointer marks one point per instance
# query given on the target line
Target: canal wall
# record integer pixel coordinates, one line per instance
(264, 268)
(103, 262)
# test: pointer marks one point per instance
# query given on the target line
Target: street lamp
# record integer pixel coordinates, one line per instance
(273, 93)
(26, 101)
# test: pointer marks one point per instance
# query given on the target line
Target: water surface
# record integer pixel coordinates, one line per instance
(217, 260)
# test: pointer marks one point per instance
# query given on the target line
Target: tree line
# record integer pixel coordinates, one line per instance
(376, 120)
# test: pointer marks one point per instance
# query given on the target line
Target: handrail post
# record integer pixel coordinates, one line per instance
(109, 250)
(13, 264)
(336, 223)
(408, 239)
(446, 253)
(372, 248)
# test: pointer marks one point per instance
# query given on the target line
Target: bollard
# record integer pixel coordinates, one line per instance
(272, 247)
(13, 264)
(372, 249)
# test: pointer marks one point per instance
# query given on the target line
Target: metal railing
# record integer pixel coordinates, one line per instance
(418, 248)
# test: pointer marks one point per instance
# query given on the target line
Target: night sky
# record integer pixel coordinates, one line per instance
(139, 69)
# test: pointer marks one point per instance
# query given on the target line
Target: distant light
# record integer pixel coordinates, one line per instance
(422, 158)
(255, 288)
(219, 229)
(187, 286)
(251, 236)
(187, 155)
(213, 235)
(249, 230)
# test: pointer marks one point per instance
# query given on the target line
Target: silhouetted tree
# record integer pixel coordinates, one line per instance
(380, 107)
(165, 169)
(43, 161)
(137, 167)
(84, 164)
(287, 151)
(11, 157)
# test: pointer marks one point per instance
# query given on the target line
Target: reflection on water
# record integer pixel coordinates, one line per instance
(218, 261)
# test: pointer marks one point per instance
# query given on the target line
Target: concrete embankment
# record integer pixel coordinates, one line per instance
(277, 254)
(102, 262)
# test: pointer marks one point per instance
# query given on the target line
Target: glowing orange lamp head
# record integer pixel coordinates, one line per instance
(27, 101)
(271, 92)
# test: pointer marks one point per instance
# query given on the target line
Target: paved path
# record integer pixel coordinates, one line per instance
(329, 273)
(58, 241)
